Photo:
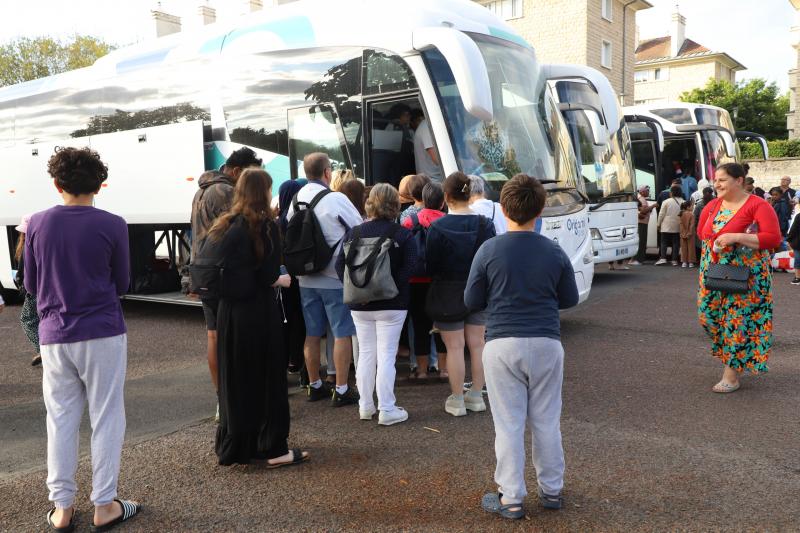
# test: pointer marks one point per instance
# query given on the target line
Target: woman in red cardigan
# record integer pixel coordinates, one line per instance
(738, 229)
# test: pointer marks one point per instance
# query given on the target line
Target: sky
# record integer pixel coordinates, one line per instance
(754, 32)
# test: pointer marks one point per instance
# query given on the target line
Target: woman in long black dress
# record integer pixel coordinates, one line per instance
(253, 400)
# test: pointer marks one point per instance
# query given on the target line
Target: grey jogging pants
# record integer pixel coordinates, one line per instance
(75, 373)
(523, 379)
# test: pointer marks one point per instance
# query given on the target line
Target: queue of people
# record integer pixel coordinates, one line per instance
(273, 284)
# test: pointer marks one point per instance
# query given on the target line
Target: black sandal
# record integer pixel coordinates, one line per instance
(69, 528)
(297, 458)
(129, 510)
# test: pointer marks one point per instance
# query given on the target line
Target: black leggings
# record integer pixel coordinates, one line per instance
(421, 322)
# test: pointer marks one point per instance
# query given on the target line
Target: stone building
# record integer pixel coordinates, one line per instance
(668, 66)
(793, 117)
(597, 33)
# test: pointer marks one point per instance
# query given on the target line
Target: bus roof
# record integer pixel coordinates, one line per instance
(385, 24)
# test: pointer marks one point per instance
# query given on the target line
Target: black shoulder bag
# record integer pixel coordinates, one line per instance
(445, 299)
(724, 277)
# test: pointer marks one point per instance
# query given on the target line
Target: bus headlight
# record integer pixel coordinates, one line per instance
(596, 234)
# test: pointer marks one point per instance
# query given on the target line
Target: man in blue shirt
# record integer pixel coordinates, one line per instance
(523, 279)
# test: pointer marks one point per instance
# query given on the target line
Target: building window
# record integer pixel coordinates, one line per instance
(607, 9)
(505, 9)
(641, 76)
(605, 54)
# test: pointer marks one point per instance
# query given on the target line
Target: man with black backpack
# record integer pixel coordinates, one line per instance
(317, 221)
(214, 197)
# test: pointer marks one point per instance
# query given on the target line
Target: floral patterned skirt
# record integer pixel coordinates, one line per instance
(740, 325)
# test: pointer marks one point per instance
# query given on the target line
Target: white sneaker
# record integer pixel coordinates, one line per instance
(634, 262)
(455, 406)
(395, 416)
(366, 414)
(674, 263)
(661, 262)
(216, 416)
(684, 265)
(474, 402)
(691, 265)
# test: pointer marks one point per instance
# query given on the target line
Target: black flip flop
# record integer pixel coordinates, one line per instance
(297, 458)
(69, 528)
(129, 510)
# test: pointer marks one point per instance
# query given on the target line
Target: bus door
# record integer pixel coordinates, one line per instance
(647, 144)
(316, 128)
(390, 121)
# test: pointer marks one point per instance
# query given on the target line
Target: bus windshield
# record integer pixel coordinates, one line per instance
(606, 170)
(527, 134)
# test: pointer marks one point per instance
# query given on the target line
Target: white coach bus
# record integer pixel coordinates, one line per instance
(307, 76)
(697, 138)
(603, 149)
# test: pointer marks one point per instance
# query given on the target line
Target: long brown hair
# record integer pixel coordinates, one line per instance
(20, 247)
(251, 200)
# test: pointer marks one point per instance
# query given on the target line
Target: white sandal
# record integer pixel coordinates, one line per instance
(725, 388)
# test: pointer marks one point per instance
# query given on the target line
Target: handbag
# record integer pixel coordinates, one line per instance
(445, 299)
(727, 278)
(368, 268)
(724, 277)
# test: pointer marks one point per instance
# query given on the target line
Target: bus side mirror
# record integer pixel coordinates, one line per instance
(466, 62)
(599, 132)
(598, 82)
(730, 146)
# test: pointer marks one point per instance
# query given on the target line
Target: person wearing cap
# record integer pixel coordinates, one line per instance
(29, 317)
(644, 218)
(213, 198)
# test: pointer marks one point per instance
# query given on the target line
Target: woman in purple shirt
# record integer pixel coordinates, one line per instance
(77, 265)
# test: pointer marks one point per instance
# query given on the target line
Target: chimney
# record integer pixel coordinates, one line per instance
(165, 23)
(207, 14)
(677, 32)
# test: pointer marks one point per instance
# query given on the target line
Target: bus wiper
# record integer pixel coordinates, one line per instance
(566, 189)
(547, 182)
(606, 199)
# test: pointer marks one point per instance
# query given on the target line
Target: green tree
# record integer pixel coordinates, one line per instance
(31, 58)
(757, 105)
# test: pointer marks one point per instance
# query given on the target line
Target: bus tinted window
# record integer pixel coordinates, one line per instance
(387, 73)
(717, 117)
(54, 116)
(315, 129)
(675, 115)
(145, 99)
(257, 90)
(6, 124)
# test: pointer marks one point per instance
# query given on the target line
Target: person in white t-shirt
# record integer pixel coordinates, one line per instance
(483, 206)
(426, 157)
(321, 294)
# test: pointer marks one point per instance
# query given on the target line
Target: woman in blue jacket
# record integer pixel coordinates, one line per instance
(450, 247)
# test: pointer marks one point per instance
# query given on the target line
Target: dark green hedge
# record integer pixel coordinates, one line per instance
(779, 148)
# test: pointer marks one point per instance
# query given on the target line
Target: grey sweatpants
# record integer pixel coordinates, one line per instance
(75, 373)
(523, 379)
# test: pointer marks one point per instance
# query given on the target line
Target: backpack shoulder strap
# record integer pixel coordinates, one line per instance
(296, 202)
(414, 221)
(494, 207)
(319, 196)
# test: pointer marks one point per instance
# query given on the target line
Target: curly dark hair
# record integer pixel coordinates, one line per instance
(77, 170)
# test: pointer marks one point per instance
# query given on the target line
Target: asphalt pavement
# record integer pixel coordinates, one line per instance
(648, 446)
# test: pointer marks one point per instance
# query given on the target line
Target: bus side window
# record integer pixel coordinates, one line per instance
(315, 129)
